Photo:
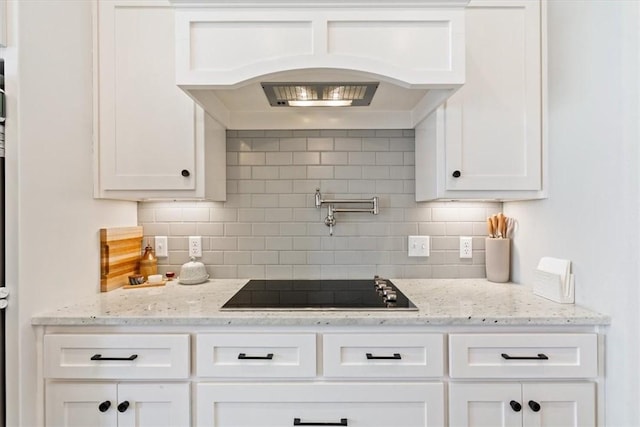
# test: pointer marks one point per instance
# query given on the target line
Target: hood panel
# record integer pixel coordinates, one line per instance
(224, 53)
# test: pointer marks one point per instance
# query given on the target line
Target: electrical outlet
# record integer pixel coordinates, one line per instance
(466, 247)
(419, 246)
(195, 246)
(161, 246)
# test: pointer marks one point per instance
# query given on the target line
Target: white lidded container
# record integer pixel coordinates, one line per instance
(193, 273)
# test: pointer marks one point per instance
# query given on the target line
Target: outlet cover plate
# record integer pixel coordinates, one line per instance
(195, 246)
(419, 246)
(466, 247)
(161, 243)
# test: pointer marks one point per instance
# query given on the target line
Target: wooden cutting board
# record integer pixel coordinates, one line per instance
(120, 251)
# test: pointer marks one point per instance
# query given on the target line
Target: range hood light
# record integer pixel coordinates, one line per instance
(320, 94)
(322, 103)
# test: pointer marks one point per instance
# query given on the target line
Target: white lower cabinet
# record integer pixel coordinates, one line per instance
(289, 376)
(84, 404)
(322, 404)
(545, 379)
(383, 366)
(527, 404)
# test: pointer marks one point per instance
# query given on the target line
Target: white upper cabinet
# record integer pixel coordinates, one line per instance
(152, 139)
(486, 142)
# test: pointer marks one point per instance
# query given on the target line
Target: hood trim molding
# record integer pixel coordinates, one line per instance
(321, 3)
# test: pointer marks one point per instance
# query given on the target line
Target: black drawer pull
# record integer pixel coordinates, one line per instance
(517, 407)
(99, 357)
(243, 356)
(540, 356)
(297, 422)
(396, 356)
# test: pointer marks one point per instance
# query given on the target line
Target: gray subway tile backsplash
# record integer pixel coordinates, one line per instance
(269, 226)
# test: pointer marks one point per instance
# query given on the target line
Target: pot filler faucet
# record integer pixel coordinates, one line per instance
(330, 219)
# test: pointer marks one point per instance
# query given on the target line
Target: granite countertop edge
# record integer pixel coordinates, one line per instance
(441, 302)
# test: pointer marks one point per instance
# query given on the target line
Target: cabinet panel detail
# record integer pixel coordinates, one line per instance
(523, 355)
(116, 356)
(256, 355)
(371, 40)
(253, 42)
(371, 405)
(383, 355)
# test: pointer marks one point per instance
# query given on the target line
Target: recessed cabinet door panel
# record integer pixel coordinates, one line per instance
(81, 405)
(493, 123)
(147, 123)
(570, 404)
(154, 405)
(485, 405)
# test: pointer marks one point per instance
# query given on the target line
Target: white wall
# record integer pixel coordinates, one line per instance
(53, 221)
(591, 216)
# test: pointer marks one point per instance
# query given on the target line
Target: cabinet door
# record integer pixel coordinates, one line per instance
(81, 405)
(154, 405)
(485, 405)
(570, 404)
(147, 125)
(349, 404)
(492, 125)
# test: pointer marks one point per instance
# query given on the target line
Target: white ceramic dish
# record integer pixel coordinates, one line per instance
(196, 281)
(193, 273)
(155, 278)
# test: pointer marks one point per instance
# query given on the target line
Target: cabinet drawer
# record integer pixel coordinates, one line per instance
(383, 355)
(352, 404)
(523, 355)
(116, 356)
(256, 355)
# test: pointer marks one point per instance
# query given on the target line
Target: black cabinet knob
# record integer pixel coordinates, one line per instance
(185, 173)
(535, 406)
(456, 174)
(515, 406)
(123, 406)
(104, 406)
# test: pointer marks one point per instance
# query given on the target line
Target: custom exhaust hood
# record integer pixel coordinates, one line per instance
(294, 64)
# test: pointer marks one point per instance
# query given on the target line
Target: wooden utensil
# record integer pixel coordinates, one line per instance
(504, 228)
(120, 250)
(490, 228)
(501, 230)
(494, 224)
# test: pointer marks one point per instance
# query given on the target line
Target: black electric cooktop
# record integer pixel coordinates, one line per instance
(368, 294)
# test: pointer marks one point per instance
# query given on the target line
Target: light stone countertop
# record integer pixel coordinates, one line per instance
(440, 302)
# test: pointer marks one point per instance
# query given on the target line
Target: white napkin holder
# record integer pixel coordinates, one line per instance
(554, 281)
